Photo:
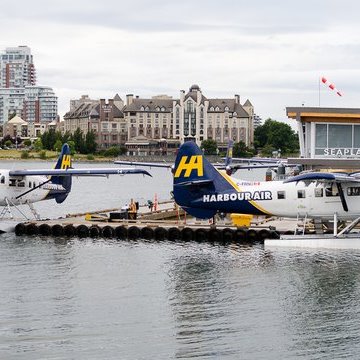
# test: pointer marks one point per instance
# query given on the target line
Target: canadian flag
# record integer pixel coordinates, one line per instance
(330, 85)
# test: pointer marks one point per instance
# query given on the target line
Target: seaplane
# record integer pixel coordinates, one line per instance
(202, 191)
(18, 187)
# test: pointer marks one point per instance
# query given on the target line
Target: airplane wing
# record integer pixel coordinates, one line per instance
(78, 172)
(254, 166)
(324, 177)
(139, 163)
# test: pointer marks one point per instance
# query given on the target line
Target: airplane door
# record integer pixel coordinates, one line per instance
(302, 200)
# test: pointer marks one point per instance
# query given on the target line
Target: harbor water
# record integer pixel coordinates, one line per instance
(108, 299)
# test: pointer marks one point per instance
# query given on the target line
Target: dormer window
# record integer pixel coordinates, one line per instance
(217, 108)
(147, 108)
(226, 108)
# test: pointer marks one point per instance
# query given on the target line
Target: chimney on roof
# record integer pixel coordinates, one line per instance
(129, 99)
(182, 96)
(237, 99)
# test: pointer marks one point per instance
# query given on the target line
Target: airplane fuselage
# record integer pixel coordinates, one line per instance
(12, 187)
(283, 199)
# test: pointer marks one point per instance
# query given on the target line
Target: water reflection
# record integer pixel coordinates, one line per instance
(324, 303)
(205, 298)
(41, 306)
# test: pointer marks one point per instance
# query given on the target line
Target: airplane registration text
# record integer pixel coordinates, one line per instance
(245, 195)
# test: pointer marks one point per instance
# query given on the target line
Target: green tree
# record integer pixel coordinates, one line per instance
(113, 151)
(27, 142)
(58, 145)
(38, 145)
(71, 144)
(277, 136)
(209, 147)
(90, 142)
(78, 138)
(241, 150)
(48, 139)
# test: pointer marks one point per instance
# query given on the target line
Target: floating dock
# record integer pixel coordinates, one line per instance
(168, 223)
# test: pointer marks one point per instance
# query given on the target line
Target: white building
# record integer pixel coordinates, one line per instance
(191, 117)
(19, 93)
(17, 69)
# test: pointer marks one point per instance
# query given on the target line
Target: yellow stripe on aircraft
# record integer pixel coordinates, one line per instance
(236, 187)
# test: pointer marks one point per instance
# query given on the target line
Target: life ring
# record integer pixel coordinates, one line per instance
(227, 235)
(187, 234)
(107, 232)
(133, 232)
(69, 230)
(44, 229)
(94, 231)
(201, 235)
(263, 234)
(240, 235)
(215, 235)
(252, 236)
(31, 229)
(82, 231)
(174, 234)
(160, 233)
(20, 229)
(274, 234)
(121, 232)
(147, 233)
(57, 230)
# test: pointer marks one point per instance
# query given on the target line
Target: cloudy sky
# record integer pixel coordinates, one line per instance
(270, 52)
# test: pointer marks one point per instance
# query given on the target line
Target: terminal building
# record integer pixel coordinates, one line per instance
(328, 137)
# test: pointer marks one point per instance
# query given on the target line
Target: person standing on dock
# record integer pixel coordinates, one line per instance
(132, 210)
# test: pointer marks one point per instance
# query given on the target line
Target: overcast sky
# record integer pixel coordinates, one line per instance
(270, 52)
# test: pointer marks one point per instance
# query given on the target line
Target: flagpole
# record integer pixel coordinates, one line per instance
(319, 91)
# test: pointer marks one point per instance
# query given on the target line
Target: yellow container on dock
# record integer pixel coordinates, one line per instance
(241, 219)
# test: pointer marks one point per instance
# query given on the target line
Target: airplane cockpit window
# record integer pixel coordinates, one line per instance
(2, 179)
(281, 195)
(301, 194)
(353, 191)
(12, 182)
(319, 192)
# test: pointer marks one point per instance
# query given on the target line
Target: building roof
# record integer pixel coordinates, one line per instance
(17, 120)
(150, 104)
(315, 113)
(232, 105)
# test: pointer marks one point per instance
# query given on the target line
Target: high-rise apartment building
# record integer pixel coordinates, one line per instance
(19, 93)
(17, 68)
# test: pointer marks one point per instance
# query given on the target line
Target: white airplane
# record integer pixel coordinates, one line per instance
(202, 191)
(29, 186)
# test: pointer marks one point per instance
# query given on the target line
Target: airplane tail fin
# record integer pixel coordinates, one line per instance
(195, 176)
(63, 162)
